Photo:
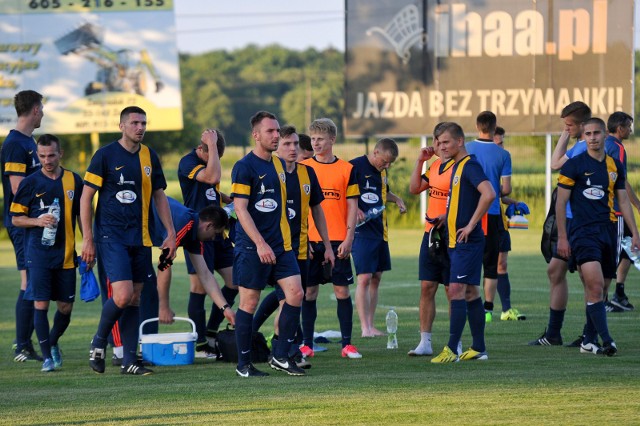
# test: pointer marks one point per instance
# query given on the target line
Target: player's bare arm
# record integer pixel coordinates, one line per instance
(162, 206)
(487, 195)
(265, 252)
(321, 226)
(86, 221)
(344, 249)
(562, 199)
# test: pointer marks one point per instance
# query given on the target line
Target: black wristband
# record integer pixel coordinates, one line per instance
(226, 305)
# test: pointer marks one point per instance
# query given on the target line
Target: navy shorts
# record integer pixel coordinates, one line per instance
(207, 254)
(122, 262)
(505, 241)
(597, 245)
(303, 265)
(341, 274)
(495, 227)
(431, 268)
(466, 263)
(370, 255)
(572, 260)
(249, 272)
(16, 235)
(51, 284)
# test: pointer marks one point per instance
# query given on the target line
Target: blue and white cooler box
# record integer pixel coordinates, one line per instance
(169, 348)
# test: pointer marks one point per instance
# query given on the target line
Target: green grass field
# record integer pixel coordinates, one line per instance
(518, 385)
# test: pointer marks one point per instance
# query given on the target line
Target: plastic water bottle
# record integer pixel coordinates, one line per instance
(392, 329)
(49, 233)
(634, 255)
(231, 210)
(372, 213)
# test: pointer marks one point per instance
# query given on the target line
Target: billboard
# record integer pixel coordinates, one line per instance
(412, 64)
(90, 59)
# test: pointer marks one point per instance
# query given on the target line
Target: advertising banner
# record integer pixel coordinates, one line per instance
(90, 59)
(414, 63)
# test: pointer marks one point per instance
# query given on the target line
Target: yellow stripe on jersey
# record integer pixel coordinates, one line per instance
(284, 217)
(612, 171)
(93, 179)
(385, 232)
(454, 202)
(240, 189)
(353, 190)
(19, 208)
(195, 170)
(305, 195)
(566, 181)
(15, 167)
(146, 170)
(68, 189)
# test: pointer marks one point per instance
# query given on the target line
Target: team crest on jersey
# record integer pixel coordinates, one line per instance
(147, 170)
(211, 194)
(306, 188)
(456, 179)
(282, 177)
(291, 212)
(70, 195)
(613, 176)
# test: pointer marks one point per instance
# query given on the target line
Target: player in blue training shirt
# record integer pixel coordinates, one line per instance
(590, 181)
(470, 196)
(263, 244)
(52, 269)
(192, 230)
(199, 174)
(370, 249)
(127, 175)
(19, 159)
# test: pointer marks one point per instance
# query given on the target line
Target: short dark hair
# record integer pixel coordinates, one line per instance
(577, 110)
(305, 142)
(388, 145)
(287, 130)
(454, 129)
(124, 114)
(618, 119)
(220, 144)
(259, 116)
(215, 215)
(25, 100)
(486, 122)
(499, 131)
(48, 140)
(596, 120)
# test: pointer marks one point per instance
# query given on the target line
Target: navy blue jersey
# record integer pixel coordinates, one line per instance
(466, 175)
(496, 164)
(185, 222)
(593, 184)
(196, 195)
(303, 192)
(35, 194)
(373, 187)
(18, 157)
(126, 182)
(263, 184)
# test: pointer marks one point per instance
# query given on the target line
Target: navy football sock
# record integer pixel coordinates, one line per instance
(198, 315)
(41, 323)
(129, 323)
(589, 330)
(456, 323)
(488, 306)
(24, 321)
(110, 314)
(149, 305)
(216, 317)
(267, 307)
(620, 290)
(475, 314)
(60, 323)
(243, 337)
(309, 315)
(598, 315)
(345, 317)
(287, 324)
(504, 291)
(556, 318)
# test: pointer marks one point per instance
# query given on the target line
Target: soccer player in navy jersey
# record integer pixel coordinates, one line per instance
(263, 250)
(470, 196)
(370, 249)
(19, 159)
(199, 174)
(52, 269)
(127, 174)
(590, 181)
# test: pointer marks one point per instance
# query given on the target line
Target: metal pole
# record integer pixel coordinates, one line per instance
(547, 183)
(423, 194)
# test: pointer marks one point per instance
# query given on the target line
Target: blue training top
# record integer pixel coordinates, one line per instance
(496, 164)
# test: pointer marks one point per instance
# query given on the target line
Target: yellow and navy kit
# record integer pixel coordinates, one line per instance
(438, 176)
(196, 195)
(338, 182)
(593, 184)
(35, 194)
(185, 222)
(126, 182)
(373, 186)
(262, 182)
(18, 157)
(466, 175)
